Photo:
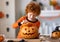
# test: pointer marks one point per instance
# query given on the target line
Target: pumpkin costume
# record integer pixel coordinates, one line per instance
(15, 25)
(28, 31)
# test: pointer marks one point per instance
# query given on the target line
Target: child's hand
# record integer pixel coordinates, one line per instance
(24, 21)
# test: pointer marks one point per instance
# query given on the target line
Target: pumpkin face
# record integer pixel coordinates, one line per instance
(56, 34)
(29, 31)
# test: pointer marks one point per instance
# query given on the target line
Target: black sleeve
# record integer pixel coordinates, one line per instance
(19, 24)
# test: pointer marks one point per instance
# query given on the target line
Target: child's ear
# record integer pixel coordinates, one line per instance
(19, 24)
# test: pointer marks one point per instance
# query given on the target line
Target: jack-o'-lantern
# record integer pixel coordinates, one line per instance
(56, 34)
(29, 31)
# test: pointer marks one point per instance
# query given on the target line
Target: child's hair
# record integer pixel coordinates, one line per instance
(33, 7)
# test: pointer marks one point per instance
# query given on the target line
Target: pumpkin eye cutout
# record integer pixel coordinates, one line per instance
(28, 30)
(32, 29)
(25, 29)
(56, 33)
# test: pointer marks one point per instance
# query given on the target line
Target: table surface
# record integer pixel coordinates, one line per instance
(41, 39)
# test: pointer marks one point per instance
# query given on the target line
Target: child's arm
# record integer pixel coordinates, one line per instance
(16, 24)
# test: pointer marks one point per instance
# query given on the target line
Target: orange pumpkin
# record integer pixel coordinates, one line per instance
(57, 7)
(1, 15)
(28, 31)
(53, 2)
(56, 34)
(1, 38)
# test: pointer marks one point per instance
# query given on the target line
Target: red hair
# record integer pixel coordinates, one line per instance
(33, 7)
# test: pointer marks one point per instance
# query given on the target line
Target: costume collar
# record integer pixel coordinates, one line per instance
(31, 21)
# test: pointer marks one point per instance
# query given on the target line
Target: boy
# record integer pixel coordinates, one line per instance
(32, 10)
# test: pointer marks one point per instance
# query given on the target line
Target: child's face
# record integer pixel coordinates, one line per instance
(31, 15)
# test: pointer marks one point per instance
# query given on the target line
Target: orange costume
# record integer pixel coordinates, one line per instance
(18, 23)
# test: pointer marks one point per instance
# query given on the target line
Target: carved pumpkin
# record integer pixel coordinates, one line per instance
(56, 34)
(29, 31)
(1, 38)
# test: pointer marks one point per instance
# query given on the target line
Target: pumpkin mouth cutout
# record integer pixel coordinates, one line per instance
(28, 33)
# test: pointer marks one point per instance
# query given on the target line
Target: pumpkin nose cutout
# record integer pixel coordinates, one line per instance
(28, 30)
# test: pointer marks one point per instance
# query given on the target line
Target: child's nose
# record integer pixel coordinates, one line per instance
(32, 16)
